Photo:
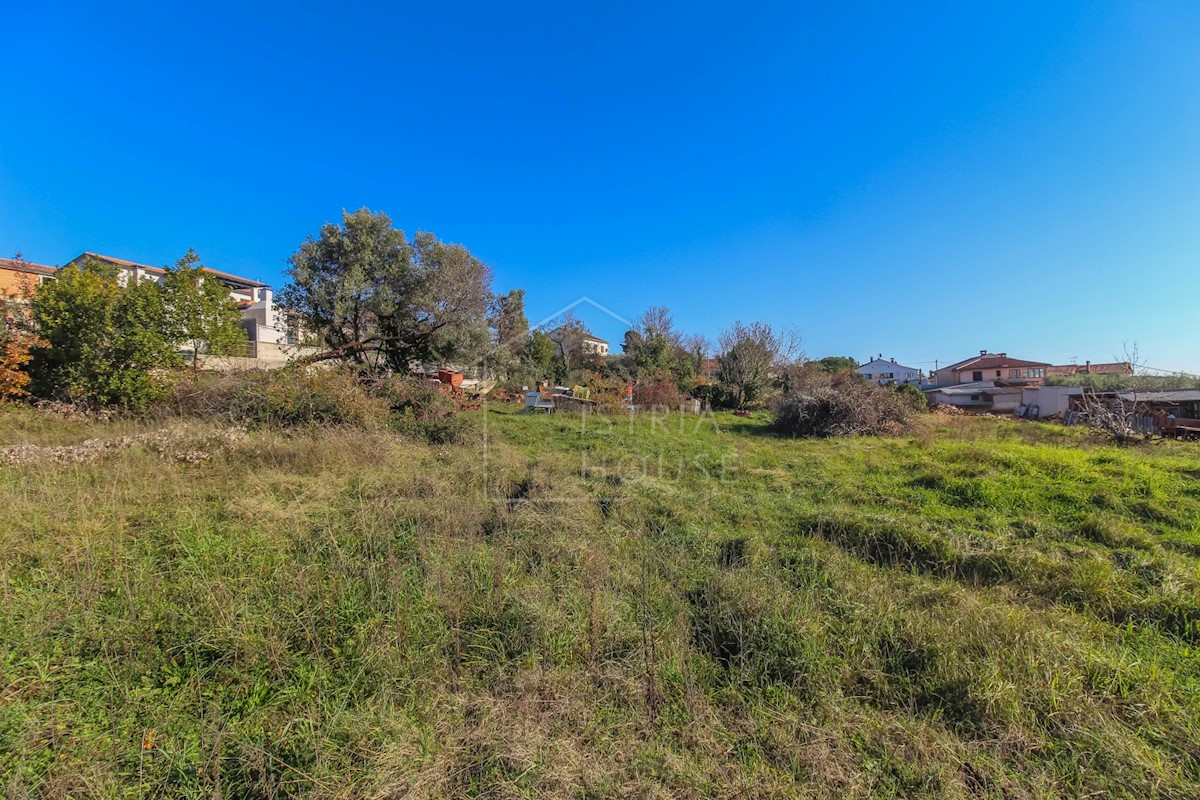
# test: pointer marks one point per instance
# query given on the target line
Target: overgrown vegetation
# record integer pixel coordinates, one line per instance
(634, 607)
(306, 397)
(107, 339)
(849, 406)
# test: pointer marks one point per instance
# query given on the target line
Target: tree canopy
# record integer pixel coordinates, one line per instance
(749, 354)
(379, 300)
(105, 340)
(200, 313)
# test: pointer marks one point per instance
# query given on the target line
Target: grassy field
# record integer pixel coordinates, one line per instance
(663, 607)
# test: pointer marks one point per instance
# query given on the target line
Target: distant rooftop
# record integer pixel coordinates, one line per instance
(225, 277)
(987, 360)
(26, 266)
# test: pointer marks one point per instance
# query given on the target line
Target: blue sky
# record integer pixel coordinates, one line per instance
(918, 180)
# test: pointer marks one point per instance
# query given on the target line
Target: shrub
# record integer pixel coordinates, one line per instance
(848, 408)
(421, 400)
(283, 398)
(423, 410)
(106, 343)
(714, 394)
(15, 354)
(656, 395)
(910, 394)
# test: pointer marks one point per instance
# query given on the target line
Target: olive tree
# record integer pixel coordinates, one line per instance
(377, 299)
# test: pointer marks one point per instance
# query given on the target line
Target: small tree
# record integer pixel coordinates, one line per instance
(200, 313)
(16, 346)
(1111, 415)
(104, 341)
(17, 338)
(749, 355)
(509, 329)
(538, 353)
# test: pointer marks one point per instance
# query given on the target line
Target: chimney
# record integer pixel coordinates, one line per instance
(1004, 355)
(983, 352)
(1087, 367)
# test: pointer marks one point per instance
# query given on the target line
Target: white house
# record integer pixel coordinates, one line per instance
(884, 372)
(578, 340)
(273, 334)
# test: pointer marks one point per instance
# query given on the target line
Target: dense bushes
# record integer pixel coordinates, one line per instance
(106, 341)
(284, 398)
(423, 410)
(297, 396)
(849, 407)
(656, 395)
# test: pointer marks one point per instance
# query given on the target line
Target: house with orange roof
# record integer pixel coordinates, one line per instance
(19, 278)
(1089, 368)
(993, 368)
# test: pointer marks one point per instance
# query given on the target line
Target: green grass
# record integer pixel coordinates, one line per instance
(609, 608)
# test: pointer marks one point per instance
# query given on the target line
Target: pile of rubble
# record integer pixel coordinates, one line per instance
(952, 411)
(176, 443)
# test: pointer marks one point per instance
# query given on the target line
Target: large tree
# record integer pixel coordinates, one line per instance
(379, 300)
(202, 316)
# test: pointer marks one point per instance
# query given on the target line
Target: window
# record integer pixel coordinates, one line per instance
(977, 376)
(976, 397)
(1014, 373)
(1035, 372)
(887, 375)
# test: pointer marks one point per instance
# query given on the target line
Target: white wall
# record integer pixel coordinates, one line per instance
(1050, 400)
(873, 370)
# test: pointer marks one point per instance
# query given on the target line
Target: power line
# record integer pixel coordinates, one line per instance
(1168, 371)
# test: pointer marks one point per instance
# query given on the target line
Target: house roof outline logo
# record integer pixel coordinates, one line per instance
(539, 326)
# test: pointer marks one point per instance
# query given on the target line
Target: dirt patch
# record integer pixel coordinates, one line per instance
(176, 443)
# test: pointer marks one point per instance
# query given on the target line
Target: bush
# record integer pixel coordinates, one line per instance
(657, 395)
(714, 394)
(297, 396)
(283, 398)
(423, 410)
(421, 400)
(848, 408)
(104, 343)
(910, 394)
(15, 353)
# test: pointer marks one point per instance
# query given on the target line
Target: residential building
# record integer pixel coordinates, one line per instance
(20, 279)
(272, 333)
(993, 367)
(1088, 368)
(579, 340)
(884, 372)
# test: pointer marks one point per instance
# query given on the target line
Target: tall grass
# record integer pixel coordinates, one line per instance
(654, 607)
